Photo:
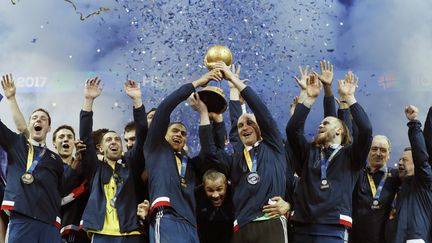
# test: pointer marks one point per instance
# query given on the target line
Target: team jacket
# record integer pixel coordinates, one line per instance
(41, 199)
(368, 223)
(100, 173)
(414, 200)
(333, 205)
(164, 180)
(249, 199)
(214, 223)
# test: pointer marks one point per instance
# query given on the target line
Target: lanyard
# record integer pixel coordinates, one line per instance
(324, 163)
(377, 192)
(251, 163)
(181, 164)
(118, 183)
(31, 164)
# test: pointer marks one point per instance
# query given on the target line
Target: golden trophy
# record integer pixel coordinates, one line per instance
(214, 96)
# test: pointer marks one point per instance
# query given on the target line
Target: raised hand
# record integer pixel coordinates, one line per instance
(348, 85)
(215, 117)
(93, 88)
(214, 74)
(236, 71)
(132, 89)
(327, 74)
(8, 86)
(80, 147)
(304, 75)
(228, 74)
(196, 103)
(313, 86)
(411, 112)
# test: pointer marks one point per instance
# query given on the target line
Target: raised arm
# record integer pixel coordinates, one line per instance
(9, 91)
(136, 154)
(422, 168)
(212, 154)
(267, 124)
(326, 77)
(235, 111)
(219, 129)
(161, 119)
(295, 126)
(92, 90)
(363, 139)
(344, 114)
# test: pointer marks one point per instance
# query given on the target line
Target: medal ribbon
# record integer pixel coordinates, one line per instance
(324, 163)
(377, 192)
(31, 164)
(251, 163)
(118, 182)
(181, 164)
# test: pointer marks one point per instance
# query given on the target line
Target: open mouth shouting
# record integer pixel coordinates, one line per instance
(37, 128)
(177, 140)
(114, 148)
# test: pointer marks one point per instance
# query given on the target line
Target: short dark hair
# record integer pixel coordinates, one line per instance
(67, 127)
(98, 134)
(176, 122)
(44, 111)
(407, 149)
(129, 126)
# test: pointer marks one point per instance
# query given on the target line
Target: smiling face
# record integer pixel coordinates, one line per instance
(329, 131)
(39, 126)
(176, 136)
(379, 152)
(406, 164)
(248, 129)
(64, 142)
(112, 146)
(215, 190)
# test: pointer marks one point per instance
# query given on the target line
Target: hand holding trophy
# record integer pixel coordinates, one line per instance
(214, 96)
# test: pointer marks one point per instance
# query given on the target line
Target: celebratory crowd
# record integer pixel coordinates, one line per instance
(268, 188)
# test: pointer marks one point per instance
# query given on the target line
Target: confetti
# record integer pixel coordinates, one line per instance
(84, 16)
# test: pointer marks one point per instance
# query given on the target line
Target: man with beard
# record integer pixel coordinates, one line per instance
(110, 214)
(34, 178)
(373, 194)
(129, 135)
(411, 216)
(330, 166)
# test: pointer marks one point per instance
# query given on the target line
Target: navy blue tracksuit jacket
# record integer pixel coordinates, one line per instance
(414, 200)
(100, 174)
(333, 205)
(248, 199)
